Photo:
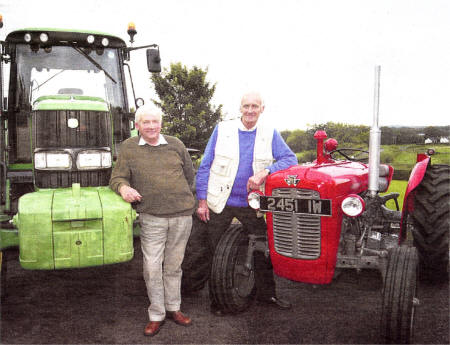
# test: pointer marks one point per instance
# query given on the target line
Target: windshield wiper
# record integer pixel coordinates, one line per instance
(54, 75)
(95, 63)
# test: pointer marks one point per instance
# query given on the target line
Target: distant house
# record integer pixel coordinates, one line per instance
(442, 140)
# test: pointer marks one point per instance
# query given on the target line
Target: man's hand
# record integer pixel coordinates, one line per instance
(257, 180)
(203, 211)
(129, 194)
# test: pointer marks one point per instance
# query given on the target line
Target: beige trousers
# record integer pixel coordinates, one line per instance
(163, 242)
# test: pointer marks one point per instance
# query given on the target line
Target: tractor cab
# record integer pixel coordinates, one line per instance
(64, 113)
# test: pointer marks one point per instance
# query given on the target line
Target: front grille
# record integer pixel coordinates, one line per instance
(64, 179)
(52, 132)
(297, 235)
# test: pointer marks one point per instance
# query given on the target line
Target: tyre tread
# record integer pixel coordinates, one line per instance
(432, 223)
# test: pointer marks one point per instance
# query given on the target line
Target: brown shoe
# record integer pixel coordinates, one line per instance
(153, 328)
(179, 318)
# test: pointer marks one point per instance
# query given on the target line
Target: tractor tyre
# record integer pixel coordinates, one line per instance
(399, 296)
(197, 260)
(431, 223)
(3, 274)
(232, 284)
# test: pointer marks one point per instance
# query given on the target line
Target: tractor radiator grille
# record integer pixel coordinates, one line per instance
(51, 131)
(296, 235)
(63, 179)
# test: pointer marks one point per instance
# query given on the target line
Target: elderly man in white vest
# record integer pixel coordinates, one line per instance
(239, 156)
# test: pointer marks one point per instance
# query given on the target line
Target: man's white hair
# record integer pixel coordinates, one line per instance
(147, 110)
(253, 93)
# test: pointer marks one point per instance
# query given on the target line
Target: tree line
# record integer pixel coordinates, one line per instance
(185, 98)
(358, 135)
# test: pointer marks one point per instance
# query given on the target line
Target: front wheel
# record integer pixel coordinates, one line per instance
(232, 281)
(399, 296)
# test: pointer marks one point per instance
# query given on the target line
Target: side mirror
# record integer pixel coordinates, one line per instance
(153, 60)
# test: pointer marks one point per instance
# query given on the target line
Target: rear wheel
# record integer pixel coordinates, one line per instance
(3, 266)
(431, 219)
(232, 283)
(399, 296)
(196, 265)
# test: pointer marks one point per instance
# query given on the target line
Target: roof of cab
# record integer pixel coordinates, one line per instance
(64, 36)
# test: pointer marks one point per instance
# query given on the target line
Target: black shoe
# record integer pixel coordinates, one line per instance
(276, 302)
(214, 309)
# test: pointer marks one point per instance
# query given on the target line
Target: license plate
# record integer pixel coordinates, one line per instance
(320, 207)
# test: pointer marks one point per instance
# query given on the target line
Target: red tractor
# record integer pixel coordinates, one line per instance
(328, 215)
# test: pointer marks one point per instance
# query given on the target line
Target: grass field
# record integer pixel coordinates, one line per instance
(404, 156)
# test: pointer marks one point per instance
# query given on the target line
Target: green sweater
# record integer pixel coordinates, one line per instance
(162, 174)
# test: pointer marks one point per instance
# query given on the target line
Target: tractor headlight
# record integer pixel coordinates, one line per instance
(52, 160)
(253, 199)
(353, 205)
(87, 160)
(43, 37)
(27, 37)
(90, 39)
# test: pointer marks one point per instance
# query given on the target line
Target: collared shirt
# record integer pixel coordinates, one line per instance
(245, 129)
(161, 141)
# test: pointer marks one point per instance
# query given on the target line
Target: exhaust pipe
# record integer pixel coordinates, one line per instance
(375, 140)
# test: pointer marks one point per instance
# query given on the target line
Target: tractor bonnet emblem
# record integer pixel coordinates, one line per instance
(292, 180)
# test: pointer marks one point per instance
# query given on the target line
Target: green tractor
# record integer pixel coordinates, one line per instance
(64, 112)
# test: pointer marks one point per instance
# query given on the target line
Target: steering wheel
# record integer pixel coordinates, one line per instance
(354, 155)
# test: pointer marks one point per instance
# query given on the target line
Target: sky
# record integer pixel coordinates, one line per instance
(313, 61)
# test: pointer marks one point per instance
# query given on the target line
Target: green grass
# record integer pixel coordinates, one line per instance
(404, 158)
(396, 187)
(407, 154)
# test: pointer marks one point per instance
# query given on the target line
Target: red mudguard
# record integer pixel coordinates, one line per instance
(415, 178)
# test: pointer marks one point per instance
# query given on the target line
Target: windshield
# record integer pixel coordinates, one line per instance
(66, 70)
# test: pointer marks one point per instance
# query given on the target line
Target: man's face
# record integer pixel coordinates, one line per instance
(251, 108)
(149, 127)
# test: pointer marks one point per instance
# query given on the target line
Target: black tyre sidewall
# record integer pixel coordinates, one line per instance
(197, 260)
(222, 284)
(399, 290)
(431, 223)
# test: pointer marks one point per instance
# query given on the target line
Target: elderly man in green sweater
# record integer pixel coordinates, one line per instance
(155, 172)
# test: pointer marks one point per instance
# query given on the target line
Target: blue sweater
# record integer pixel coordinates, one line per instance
(284, 158)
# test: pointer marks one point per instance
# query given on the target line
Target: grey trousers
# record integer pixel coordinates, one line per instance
(163, 242)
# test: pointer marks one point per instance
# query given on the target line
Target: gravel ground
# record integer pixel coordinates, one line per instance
(108, 305)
